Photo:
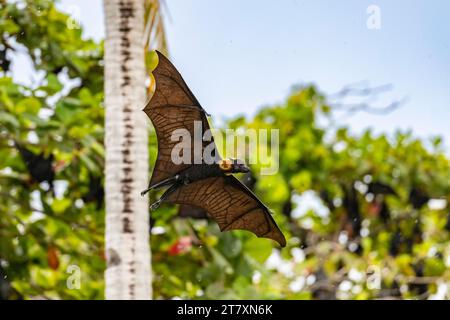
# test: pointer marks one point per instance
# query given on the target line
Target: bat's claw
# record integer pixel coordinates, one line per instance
(155, 205)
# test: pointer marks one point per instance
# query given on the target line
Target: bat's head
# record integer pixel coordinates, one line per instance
(232, 166)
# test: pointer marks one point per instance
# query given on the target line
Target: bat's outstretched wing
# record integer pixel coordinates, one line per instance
(172, 107)
(231, 204)
(186, 211)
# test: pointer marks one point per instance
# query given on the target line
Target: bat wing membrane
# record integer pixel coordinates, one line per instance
(172, 107)
(232, 205)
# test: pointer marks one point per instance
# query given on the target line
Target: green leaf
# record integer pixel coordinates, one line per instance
(434, 267)
(53, 84)
(221, 261)
(88, 162)
(60, 205)
(230, 245)
(9, 118)
(258, 248)
(8, 25)
(29, 104)
(65, 111)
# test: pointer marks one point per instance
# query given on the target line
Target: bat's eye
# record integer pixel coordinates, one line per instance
(225, 164)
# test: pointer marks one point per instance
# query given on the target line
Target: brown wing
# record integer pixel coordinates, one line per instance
(231, 204)
(186, 211)
(172, 107)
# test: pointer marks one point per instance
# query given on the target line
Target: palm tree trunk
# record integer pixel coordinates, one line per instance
(128, 273)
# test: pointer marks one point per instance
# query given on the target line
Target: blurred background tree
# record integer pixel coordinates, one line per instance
(366, 216)
(58, 123)
(127, 248)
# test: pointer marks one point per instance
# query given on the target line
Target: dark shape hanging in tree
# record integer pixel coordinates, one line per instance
(96, 191)
(418, 198)
(39, 166)
(378, 188)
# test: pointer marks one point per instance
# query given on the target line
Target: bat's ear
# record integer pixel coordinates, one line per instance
(236, 166)
(226, 165)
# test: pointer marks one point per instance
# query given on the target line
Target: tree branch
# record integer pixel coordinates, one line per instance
(365, 96)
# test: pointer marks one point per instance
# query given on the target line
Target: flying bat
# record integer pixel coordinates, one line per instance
(207, 184)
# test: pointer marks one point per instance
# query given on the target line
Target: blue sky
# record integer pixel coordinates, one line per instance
(239, 55)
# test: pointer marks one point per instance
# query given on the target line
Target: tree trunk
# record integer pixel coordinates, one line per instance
(128, 272)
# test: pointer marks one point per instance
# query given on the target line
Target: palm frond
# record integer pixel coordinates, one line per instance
(154, 32)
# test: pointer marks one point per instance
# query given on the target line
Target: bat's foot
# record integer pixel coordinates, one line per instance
(155, 205)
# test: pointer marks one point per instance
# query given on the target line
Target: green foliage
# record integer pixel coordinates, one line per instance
(372, 192)
(42, 234)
